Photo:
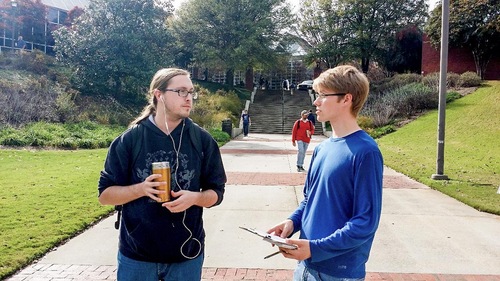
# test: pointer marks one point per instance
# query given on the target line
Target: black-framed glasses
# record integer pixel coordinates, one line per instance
(183, 93)
(328, 95)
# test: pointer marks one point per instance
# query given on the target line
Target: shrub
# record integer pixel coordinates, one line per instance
(432, 81)
(380, 131)
(407, 78)
(219, 136)
(404, 101)
(365, 122)
(411, 99)
(210, 109)
(395, 82)
(66, 107)
(14, 140)
(453, 80)
(70, 143)
(470, 79)
(451, 96)
(379, 113)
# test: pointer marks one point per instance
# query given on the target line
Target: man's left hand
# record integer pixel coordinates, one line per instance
(302, 252)
(185, 199)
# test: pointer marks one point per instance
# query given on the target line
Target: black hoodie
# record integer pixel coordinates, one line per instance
(150, 232)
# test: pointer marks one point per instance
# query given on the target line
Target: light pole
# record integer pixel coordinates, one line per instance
(439, 175)
(13, 3)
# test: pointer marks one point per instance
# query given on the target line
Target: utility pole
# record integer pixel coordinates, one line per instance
(439, 175)
(13, 3)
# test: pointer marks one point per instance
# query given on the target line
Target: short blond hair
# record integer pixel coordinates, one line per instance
(345, 79)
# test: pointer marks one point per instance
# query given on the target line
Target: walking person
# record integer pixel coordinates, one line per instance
(21, 45)
(163, 241)
(310, 117)
(247, 122)
(342, 202)
(302, 131)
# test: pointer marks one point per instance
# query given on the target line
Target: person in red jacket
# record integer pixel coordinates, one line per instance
(302, 131)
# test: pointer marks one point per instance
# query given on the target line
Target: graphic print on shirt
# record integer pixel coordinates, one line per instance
(184, 175)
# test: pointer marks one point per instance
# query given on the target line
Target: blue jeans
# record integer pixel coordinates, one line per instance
(303, 273)
(302, 146)
(245, 129)
(133, 270)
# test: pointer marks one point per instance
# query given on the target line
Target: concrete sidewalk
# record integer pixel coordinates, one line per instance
(423, 234)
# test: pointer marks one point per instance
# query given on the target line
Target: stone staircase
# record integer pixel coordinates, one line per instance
(275, 111)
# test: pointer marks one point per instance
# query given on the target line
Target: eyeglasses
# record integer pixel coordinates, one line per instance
(183, 93)
(328, 95)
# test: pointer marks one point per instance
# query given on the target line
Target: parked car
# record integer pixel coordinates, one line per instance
(305, 85)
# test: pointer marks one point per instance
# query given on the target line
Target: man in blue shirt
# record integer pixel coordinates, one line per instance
(342, 202)
(245, 117)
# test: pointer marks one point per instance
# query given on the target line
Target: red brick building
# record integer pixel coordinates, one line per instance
(459, 61)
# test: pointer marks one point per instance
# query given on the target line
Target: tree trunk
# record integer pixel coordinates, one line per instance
(249, 78)
(481, 63)
(230, 76)
(365, 64)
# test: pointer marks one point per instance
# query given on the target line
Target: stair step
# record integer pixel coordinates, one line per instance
(275, 111)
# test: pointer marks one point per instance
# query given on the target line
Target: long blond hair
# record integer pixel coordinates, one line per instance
(160, 81)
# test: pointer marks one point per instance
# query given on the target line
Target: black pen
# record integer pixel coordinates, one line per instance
(271, 255)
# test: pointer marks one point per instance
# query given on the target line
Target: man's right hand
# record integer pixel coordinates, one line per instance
(283, 229)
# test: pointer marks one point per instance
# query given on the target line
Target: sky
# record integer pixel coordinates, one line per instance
(295, 3)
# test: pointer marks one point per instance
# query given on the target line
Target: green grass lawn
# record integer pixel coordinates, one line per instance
(45, 197)
(471, 154)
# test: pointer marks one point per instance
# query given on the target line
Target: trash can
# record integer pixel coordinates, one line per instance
(227, 126)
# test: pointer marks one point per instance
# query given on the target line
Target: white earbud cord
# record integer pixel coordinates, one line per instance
(177, 150)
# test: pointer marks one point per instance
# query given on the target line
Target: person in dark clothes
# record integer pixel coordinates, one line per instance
(163, 241)
(311, 117)
(247, 122)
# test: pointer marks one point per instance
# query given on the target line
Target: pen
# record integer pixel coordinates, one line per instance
(271, 255)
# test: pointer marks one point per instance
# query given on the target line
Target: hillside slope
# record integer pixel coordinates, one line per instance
(471, 154)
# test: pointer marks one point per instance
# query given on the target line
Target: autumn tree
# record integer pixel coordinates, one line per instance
(474, 25)
(28, 18)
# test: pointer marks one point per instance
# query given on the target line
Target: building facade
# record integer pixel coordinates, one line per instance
(459, 61)
(39, 36)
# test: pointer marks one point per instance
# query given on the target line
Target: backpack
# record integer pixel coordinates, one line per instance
(309, 121)
(138, 136)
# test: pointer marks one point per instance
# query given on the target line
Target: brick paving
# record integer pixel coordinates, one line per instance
(55, 272)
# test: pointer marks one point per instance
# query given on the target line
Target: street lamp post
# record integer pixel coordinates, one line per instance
(13, 3)
(439, 175)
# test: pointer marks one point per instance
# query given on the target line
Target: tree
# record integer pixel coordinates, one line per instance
(372, 23)
(32, 20)
(116, 46)
(230, 35)
(406, 53)
(29, 19)
(473, 24)
(362, 29)
(321, 32)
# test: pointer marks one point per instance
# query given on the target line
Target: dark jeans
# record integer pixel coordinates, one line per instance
(245, 129)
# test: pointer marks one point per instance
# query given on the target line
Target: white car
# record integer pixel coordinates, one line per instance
(305, 85)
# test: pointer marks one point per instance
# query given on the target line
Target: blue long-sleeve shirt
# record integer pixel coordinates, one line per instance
(342, 205)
